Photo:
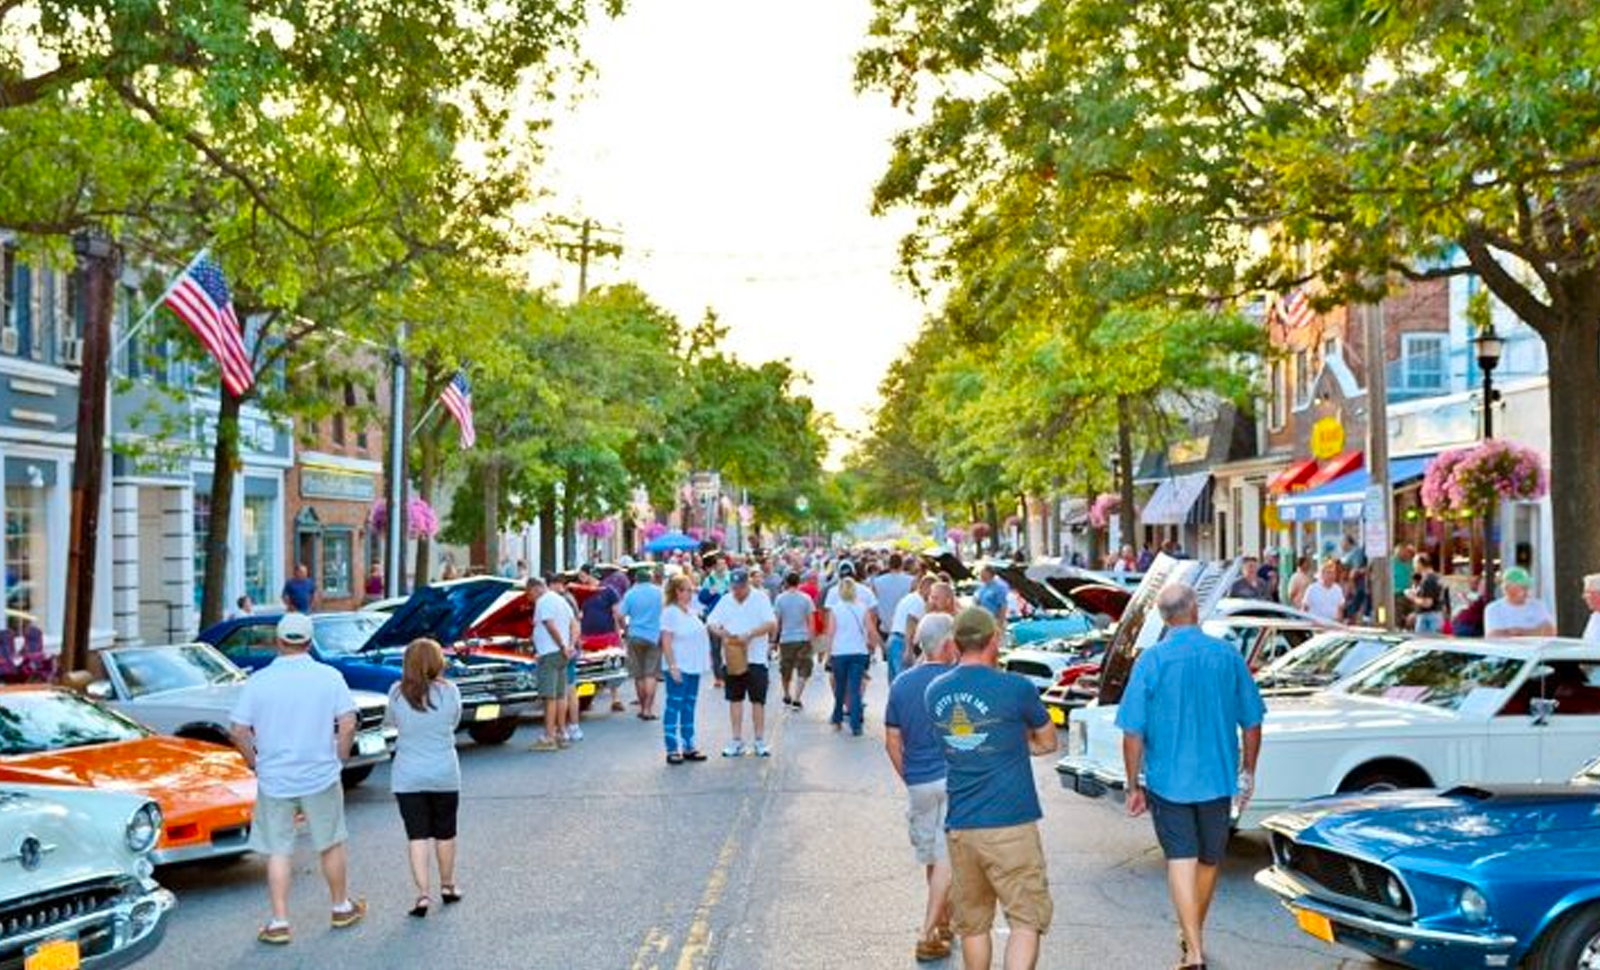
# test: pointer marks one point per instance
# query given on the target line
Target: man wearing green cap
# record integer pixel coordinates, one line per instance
(1516, 614)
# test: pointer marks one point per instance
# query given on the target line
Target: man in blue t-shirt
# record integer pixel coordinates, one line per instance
(1189, 707)
(917, 752)
(299, 591)
(641, 618)
(994, 595)
(991, 722)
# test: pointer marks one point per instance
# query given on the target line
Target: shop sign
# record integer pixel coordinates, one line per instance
(1327, 438)
(333, 483)
(1269, 517)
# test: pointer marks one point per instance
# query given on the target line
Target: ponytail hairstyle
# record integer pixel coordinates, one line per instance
(424, 663)
(847, 589)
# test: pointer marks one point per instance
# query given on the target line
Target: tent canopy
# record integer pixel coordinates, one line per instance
(1341, 500)
(671, 542)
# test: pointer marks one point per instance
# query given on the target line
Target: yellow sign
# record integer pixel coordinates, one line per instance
(1269, 517)
(1327, 438)
(586, 689)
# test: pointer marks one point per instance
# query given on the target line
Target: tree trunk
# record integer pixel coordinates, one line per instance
(1125, 456)
(547, 533)
(224, 466)
(427, 477)
(1096, 554)
(569, 524)
(992, 516)
(1574, 352)
(491, 514)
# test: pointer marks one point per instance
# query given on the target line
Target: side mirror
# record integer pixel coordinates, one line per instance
(1541, 708)
(101, 690)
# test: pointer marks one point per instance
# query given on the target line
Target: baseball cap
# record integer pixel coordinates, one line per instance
(295, 628)
(739, 577)
(974, 627)
(847, 568)
(1517, 576)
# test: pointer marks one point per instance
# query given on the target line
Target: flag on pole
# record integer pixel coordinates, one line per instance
(457, 399)
(1295, 310)
(201, 299)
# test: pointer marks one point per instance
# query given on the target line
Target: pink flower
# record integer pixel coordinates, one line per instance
(421, 520)
(1466, 481)
(1105, 505)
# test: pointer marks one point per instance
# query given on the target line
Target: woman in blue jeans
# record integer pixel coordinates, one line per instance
(686, 653)
(854, 634)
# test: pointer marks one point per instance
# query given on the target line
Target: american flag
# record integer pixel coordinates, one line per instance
(201, 299)
(457, 399)
(1295, 310)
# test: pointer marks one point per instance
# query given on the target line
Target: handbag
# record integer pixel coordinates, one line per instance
(735, 656)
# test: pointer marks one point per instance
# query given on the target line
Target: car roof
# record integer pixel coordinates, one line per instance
(1276, 622)
(1547, 648)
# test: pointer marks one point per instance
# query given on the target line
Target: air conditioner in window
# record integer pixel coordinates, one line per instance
(10, 340)
(71, 352)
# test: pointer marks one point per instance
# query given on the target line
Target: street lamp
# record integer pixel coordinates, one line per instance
(1490, 348)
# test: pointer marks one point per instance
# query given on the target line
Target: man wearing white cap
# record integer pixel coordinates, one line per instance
(294, 723)
(1591, 599)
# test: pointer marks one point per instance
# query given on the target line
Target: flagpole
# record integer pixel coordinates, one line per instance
(144, 318)
(425, 416)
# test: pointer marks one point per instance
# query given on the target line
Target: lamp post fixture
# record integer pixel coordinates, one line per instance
(1490, 349)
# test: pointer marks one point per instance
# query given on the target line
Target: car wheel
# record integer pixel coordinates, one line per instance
(493, 732)
(1573, 943)
(351, 777)
(1378, 778)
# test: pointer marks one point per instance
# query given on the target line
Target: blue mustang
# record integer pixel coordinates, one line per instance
(367, 649)
(1493, 876)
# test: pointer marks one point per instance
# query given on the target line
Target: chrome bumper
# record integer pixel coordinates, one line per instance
(137, 926)
(1092, 779)
(237, 844)
(1295, 895)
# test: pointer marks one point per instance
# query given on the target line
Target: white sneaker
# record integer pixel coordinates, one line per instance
(762, 751)
(735, 749)
(574, 733)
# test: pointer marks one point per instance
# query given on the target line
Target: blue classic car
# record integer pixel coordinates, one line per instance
(367, 648)
(1493, 876)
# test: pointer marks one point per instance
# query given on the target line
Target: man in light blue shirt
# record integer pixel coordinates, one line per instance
(641, 616)
(994, 595)
(1189, 700)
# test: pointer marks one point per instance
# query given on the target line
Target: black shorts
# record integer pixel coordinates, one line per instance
(750, 685)
(1197, 830)
(429, 814)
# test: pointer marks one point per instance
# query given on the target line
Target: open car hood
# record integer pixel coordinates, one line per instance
(445, 612)
(509, 616)
(1091, 595)
(1036, 594)
(945, 562)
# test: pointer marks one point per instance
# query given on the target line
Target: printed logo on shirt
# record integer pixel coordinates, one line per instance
(961, 731)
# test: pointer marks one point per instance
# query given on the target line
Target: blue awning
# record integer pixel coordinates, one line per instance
(1341, 499)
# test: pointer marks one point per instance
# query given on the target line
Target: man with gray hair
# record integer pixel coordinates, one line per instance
(1188, 701)
(917, 753)
(1591, 599)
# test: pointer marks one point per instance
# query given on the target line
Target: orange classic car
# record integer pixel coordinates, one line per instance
(50, 736)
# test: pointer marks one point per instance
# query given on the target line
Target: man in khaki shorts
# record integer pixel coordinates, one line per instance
(294, 723)
(991, 722)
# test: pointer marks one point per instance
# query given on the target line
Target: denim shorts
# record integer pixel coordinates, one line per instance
(1192, 830)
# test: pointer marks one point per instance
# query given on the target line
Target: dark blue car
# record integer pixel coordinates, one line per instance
(1493, 876)
(367, 648)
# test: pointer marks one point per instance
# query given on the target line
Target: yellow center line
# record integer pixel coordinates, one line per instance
(655, 944)
(698, 940)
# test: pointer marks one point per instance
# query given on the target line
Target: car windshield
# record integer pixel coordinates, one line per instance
(346, 633)
(1325, 659)
(155, 670)
(1446, 679)
(45, 720)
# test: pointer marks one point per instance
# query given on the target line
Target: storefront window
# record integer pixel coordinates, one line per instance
(337, 563)
(258, 583)
(26, 562)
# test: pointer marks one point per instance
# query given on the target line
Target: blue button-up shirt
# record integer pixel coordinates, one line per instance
(1189, 697)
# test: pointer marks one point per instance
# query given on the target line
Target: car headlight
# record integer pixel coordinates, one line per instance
(1393, 893)
(1473, 905)
(1077, 738)
(144, 828)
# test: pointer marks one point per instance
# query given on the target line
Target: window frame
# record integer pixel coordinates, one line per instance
(330, 537)
(1302, 378)
(1278, 406)
(1409, 355)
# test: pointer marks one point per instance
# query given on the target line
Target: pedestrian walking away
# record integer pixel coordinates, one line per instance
(889, 588)
(744, 620)
(1189, 708)
(917, 753)
(600, 623)
(294, 723)
(1425, 596)
(794, 610)
(552, 644)
(1517, 614)
(990, 723)
(425, 776)
(903, 630)
(853, 637)
(686, 651)
(641, 617)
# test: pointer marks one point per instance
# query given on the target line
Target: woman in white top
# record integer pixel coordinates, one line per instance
(686, 653)
(854, 636)
(425, 709)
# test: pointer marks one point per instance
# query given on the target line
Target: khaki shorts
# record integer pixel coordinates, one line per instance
(1004, 865)
(925, 816)
(272, 831)
(795, 658)
(551, 675)
(644, 659)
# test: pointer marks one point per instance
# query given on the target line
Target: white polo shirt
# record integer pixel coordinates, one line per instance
(740, 618)
(551, 606)
(294, 704)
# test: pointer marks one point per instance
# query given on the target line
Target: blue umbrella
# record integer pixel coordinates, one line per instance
(671, 542)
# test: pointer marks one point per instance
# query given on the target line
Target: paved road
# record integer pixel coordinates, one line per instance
(602, 857)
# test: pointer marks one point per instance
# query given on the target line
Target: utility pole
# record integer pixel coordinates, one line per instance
(1379, 499)
(395, 568)
(585, 247)
(99, 262)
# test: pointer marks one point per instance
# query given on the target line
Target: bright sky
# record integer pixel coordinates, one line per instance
(723, 138)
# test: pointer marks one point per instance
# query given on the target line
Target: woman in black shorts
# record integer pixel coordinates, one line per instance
(426, 778)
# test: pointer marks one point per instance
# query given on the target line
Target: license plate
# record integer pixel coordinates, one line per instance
(1315, 923)
(586, 690)
(370, 744)
(1057, 716)
(489, 712)
(53, 955)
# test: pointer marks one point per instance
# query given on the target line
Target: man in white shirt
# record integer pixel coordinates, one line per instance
(1591, 599)
(1324, 599)
(745, 622)
(294, 723)
(1516, 614)
(901, 645)
(554, 644)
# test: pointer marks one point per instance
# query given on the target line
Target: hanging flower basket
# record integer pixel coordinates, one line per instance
(421, 521)
(1466, 481)
(980, 531)
(718, 536)
(695, 532)
(597, 528)
(1105, 505)
(652, 531)
(1013, 522)
(956, 536)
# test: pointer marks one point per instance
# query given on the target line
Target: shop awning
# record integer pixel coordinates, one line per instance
(1336, 468)
(1173, 499)
(1293, 477)
(1341, 499)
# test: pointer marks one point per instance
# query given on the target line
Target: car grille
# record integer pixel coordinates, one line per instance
(39, 913)
(489, 679)
(369, 718)
(1340, 874)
